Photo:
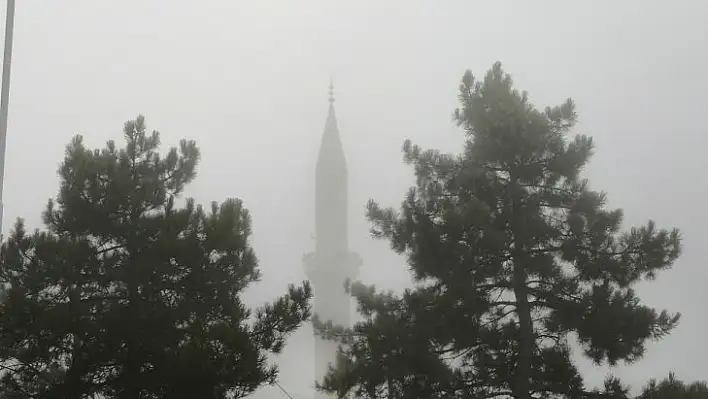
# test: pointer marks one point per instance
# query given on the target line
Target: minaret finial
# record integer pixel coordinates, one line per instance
(331, 91)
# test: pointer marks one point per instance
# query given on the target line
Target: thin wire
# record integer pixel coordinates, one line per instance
(283, 390)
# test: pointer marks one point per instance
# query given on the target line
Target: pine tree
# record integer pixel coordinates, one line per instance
(125, 294)
(673, 388)
(514, 259)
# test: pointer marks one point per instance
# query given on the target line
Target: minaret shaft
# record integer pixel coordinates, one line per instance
(331, 213)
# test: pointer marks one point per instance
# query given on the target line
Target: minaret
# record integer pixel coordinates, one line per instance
(332, 263)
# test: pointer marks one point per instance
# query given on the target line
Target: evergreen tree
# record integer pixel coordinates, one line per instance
(514, 257)
(673, 388)
(125, 294)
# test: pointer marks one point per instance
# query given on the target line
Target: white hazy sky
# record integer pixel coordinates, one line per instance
(247, 80)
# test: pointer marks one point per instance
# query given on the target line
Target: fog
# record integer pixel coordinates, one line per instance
(248, 81)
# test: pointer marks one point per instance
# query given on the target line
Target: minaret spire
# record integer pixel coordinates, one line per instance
(330, 90)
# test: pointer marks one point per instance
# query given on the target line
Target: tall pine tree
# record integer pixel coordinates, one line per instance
(514, 259)
(125, 294)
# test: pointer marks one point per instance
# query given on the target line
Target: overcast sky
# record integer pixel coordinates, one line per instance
(247, 80)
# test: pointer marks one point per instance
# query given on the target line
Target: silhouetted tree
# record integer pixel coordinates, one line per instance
(125, 294)
(673, 388)
(512, 255)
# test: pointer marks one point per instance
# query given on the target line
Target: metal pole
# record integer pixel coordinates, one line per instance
(5, 95)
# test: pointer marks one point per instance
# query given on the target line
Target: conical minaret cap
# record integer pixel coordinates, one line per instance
(331, 157)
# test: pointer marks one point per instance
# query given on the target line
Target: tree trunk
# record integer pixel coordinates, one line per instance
(131, 368)
(72, 383)
(527, 341)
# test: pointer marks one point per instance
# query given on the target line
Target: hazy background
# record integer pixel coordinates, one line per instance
(247, 80)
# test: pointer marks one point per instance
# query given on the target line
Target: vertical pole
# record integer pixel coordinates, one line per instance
(5, 95)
